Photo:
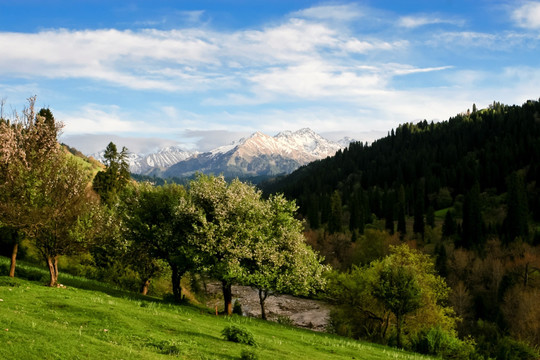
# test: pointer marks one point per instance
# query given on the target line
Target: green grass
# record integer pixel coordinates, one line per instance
(88, 320)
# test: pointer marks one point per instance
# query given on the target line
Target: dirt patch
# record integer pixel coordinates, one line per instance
(305, 313)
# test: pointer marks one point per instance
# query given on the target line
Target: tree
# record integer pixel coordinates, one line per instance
(404, 284)
(283, 263)
(418, 225)
(472, 219)
(516, 222)
(401, 224)
(109, 182)
(449, 227)
(228, 229)
(399, 291)
(158, 221)
(28, 144)
(336, 213)
(68, 215)
(10, 239)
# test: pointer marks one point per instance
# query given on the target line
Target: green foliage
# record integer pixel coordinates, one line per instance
(510, 349)
(516, 222)
(238, 334)
(237, 308)
(403, 284)
(436, 341)
(248, 354)
(110, 182)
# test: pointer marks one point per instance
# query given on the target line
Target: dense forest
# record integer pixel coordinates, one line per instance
(465, 191)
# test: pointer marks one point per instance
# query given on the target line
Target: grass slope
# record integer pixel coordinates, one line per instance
(89, 320)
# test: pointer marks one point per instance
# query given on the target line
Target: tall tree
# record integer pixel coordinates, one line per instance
(109, 182)
(516, 222)
(419, 225)
(399, 291)
(68, 215)
(336, 213)
(28, 144)
(282, 261)
(228, 229)
(472, 219)
(158, 222)
(401, 224)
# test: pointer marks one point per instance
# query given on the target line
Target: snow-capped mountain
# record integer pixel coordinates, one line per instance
(259, 154)
(157, 161)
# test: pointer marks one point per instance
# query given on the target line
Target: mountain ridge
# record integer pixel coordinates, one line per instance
(254, 155)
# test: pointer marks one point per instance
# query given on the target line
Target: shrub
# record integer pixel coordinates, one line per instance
(238, 334)
(510, 349)
(237, 308)
(438, 342)
(285, 320)
(248, 355)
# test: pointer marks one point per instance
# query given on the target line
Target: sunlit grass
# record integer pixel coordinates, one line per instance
(89, 320)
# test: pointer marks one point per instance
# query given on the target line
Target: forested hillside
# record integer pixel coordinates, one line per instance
(431, 164)
(463, 191)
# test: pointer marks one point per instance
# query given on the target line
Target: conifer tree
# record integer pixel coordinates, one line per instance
(419, 225)
(401, 224)
(516, 222)
(336, 213)
(472, 219)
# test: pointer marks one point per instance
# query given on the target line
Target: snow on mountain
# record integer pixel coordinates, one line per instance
(259, 154)
(346, 141)
(160, 160)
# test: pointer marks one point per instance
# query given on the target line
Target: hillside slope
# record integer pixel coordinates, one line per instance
(39, 322)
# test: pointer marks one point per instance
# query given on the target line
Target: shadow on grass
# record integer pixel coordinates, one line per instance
(34, 273)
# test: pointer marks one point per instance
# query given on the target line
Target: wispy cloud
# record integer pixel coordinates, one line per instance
(528, 15)
(422, 20)
(344, 12)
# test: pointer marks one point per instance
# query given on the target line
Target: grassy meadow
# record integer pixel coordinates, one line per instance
(89, 320)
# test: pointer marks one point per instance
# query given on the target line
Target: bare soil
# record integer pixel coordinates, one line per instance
(305, 313)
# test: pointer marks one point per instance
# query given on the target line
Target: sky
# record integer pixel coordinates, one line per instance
(200, 74)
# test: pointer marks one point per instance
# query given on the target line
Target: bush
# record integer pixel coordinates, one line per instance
(285, 320)
(237, 308)
(510, 349)
(248, 355)
(438, 342)
(238, 334)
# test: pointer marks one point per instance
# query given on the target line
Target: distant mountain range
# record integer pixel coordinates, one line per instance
(256, 155)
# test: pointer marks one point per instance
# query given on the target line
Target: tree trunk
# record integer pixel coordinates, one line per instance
(227, 297)
(13, 259)
(263, 294)
(52, 263)
(398, 328)
(176, 277)
(145, 286)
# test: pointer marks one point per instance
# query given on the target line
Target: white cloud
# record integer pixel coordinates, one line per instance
(333, 12)
(93, 143)
(528, 15)
(422, 20)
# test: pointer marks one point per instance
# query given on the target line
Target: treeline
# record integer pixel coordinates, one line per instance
(465, 191)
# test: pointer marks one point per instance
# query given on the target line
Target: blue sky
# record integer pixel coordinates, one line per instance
(203, 73)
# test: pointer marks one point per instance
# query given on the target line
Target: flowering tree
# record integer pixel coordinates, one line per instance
(231, 222)
(27, 143)
(43, 192)
(282, 262)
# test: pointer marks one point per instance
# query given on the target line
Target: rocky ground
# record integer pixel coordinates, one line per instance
(311, 314)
